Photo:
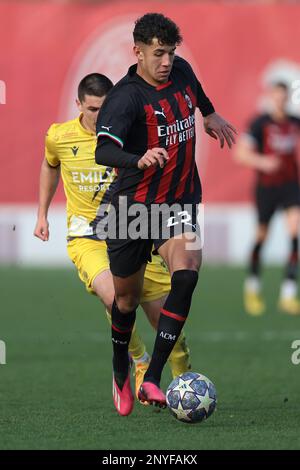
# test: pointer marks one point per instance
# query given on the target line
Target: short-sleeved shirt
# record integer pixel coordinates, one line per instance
(86, 184)
(138, 116)
(278, 138)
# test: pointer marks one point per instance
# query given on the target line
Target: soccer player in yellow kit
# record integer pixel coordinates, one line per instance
(70, 151)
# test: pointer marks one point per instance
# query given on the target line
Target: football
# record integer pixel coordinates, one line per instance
(191, 397)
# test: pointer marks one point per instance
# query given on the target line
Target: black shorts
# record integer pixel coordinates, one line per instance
(132, 240)
(269, 199)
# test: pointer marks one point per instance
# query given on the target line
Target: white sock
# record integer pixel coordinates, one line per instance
(144, 358)
(288, 289)
(252, 284)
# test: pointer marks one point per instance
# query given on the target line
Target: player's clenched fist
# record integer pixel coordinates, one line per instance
(153, 157)
(41, 230)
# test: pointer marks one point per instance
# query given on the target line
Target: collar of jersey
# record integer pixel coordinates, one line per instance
(134, 76)
(83, 129)
(273, 121)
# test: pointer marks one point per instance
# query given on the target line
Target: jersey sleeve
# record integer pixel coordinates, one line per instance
(202, 101)
(50, 147)
(116, 117)
(254, 133)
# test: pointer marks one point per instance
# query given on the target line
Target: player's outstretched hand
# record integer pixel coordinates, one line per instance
(41, 230)
(153, 157)
(218, 128)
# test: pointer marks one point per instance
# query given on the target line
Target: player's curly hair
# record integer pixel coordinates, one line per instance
(156, 25)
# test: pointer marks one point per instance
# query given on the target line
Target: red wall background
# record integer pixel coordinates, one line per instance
(231, 44)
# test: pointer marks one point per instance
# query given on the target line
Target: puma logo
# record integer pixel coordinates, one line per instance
(160, 112)
(107, 128)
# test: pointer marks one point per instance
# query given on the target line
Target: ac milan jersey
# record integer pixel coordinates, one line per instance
(277, 138)
(138, 116)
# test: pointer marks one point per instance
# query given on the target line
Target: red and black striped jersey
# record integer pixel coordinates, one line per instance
(278, 138)
(138, 116)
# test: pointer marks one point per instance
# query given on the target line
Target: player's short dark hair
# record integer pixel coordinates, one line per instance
(280, 84)
(156, 25)
(94, 84)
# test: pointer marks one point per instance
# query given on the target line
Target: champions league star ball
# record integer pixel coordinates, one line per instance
(191, 397)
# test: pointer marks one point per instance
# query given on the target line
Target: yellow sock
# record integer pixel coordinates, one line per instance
(179, 359)
(136, 346)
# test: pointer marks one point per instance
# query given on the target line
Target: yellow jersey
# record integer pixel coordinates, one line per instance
(86, 184)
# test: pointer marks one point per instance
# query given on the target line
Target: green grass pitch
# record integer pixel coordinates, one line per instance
(55, 389)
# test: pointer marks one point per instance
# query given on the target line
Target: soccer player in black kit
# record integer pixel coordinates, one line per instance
(146, 129)
(270, 147)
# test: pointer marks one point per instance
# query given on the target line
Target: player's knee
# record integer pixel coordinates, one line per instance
(184, 282)
(127, 303)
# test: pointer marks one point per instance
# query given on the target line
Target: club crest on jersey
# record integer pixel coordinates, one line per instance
(74, 150)
(188, 100)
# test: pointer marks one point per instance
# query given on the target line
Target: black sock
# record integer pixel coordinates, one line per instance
(121, 328)
(292, 265)
(172, 319)
(254, 268)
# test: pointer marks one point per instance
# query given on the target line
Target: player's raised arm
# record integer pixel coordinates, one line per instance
(49, 178)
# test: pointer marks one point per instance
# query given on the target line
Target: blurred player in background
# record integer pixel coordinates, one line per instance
(270, 147)
(70, 150)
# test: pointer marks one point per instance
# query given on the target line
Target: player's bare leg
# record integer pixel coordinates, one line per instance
(103, 287)
(288, 300)
(253, 300)
(183, 266)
